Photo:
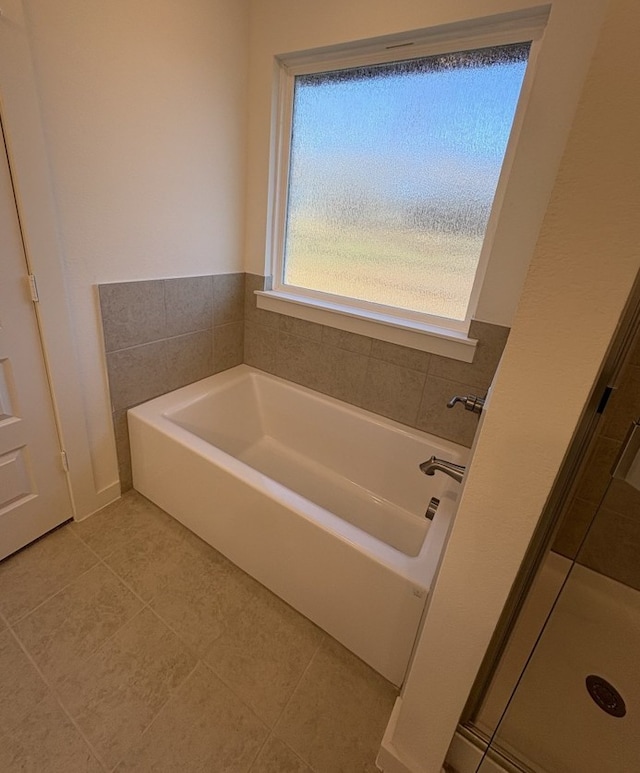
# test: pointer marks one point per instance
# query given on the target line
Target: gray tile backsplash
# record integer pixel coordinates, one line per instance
(433, 415)
(301, 328)
(132, 313)
(228, 346)
(261, 346)
(188, 358)
(228, 298)
(137, 374)
(393, 391)
(491, 343)
(162, 334)
(342, 339)
(252, 313)
(188, 304)
(401, 356)
(404, 384)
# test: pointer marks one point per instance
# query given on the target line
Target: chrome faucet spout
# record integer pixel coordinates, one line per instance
(433, 465)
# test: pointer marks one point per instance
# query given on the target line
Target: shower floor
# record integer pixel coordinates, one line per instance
(552, 723)
(128, 644)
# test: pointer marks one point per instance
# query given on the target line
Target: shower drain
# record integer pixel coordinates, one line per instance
(606, 696)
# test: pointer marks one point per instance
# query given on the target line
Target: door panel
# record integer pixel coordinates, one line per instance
(34, 496)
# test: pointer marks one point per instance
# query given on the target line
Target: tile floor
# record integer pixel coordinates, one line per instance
(128, 644)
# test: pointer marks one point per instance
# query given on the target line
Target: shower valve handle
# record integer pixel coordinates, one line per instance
(470, 402)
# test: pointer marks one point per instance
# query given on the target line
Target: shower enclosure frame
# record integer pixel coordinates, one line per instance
(584, 439)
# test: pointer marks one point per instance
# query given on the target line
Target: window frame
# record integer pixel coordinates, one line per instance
(415, 329)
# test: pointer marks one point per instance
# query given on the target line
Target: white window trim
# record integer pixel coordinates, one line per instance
(420, 331)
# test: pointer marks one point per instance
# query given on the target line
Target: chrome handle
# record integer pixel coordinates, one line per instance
(470, 402)
(431, 508)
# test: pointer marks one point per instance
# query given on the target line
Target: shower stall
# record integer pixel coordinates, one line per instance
(560, 689)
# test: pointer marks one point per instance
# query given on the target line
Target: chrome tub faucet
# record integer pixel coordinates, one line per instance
(433, 465)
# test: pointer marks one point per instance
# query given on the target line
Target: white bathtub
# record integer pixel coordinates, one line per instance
(318, 500)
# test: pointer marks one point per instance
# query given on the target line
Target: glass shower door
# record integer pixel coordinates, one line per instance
(576, 706)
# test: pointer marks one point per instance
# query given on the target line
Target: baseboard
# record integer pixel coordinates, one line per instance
(102, 499)
(389, 759)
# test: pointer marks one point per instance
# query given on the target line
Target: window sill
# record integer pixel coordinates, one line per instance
(415, 335)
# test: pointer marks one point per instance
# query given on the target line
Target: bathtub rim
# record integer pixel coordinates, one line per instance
(419, 570)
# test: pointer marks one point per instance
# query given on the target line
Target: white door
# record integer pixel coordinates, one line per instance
(34, 497)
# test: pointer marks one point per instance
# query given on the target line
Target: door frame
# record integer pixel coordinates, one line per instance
(28, 164)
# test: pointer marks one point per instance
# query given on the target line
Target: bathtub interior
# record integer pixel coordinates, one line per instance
(361, 469)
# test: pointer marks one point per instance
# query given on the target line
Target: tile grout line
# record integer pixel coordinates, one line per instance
(54, 693)
(145, 605)
(52, 595)
(260, 750)
(293, 692)
(295, 753)
(235, 694)
(302, 676)
(160, 340)
(102, 644)
(103, 561)
(22, 618)
(201, 661)
(172, 694)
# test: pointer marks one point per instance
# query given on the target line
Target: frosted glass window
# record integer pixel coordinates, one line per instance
(393, 170)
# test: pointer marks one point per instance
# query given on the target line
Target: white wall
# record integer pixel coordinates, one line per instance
(582, 271)
(284, 26)
(144, 112)
(145, 119)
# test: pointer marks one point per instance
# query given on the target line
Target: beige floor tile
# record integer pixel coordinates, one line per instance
(65, 630)
(29, 577)
(150, 566)
(204, 727)
(118, 691)
(130, 518)
(21, 687)
(129, 681)
(276, 757)
(46, 742)
(153, 550)
(338, 713)
(263, 652)
(200, 597)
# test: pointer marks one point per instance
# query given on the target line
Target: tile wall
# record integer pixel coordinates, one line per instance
(162, 334)
(407, 385)
(612, 545)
